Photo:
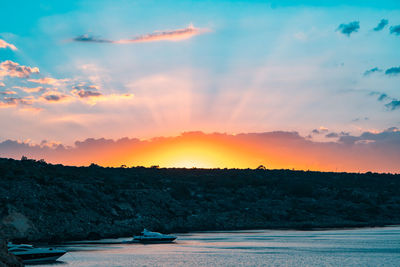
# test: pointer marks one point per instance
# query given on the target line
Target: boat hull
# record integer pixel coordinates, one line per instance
(40, 257)
(155, 240)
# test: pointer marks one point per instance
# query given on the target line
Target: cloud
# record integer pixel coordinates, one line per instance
(90, 39)
(349, 28)
(393, 71)
(382, 24)
(390, 136)
(359, 119)
(86, 93)
(336, 135)
(92, 100)
(395, 30)
(30, 89)
(15, 101)
(8, 92)
(373, 70)
(382, 97)
(85, 87)
(2, 84)
(320, 130)
(12, 69)
(4, 44)
(173, 35)
(49, 81)
(332, 135)
(393, 105)
(169, 35)
(54, 96)
(91, 95)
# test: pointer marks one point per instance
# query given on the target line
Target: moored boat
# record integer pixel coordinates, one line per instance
(153, 237)
(31, 254)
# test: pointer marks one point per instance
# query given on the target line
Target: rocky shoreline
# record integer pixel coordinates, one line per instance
(40, 202)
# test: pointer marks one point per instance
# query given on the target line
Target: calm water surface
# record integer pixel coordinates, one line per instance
(356, 247)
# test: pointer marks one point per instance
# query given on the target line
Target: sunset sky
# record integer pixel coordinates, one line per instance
(287, 84)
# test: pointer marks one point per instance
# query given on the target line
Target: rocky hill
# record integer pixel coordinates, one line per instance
(6, 259)
(44, 202)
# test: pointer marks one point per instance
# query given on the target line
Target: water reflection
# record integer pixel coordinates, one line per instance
(357, 247)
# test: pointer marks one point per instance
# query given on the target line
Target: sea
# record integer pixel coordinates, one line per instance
(345, 247)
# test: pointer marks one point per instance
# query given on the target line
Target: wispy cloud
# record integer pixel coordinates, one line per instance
(8, 92)
(383, 97)
(393, 71)
(4, 44)
(49, 81)
(30, 89)
(86, 38)
(382, 24)
(13, 69)
(373, 70)
(173, 35)
(349, 28)
(395, 30)
(2, 84)
(360, 119)
(168, 35)
(91, 98)
(91, 94)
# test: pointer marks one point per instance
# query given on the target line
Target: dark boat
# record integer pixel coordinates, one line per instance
(153, 237)
(31, 254)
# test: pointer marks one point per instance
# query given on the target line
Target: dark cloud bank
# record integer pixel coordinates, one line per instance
(379, 152)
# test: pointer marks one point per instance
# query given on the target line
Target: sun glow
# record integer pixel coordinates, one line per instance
(194, 150)
(187, 155)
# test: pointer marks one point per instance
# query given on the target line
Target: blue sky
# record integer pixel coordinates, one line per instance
(249, 66)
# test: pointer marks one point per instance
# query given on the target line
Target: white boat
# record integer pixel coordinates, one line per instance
(31, 254)
(153, 237)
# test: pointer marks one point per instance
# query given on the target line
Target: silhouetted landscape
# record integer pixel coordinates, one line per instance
(53, 203)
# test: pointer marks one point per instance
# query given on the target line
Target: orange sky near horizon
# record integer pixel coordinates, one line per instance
(188, 151)
(274, 150)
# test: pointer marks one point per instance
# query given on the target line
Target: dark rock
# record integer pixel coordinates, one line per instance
(7, 259)
(93, 236)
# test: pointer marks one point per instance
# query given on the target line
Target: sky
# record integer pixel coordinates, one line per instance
(287, 84)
